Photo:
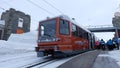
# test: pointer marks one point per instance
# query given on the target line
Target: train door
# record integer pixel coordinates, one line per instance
(64, 35)
(77, 41)
(85, 39)
(90, 41)
(93, 42)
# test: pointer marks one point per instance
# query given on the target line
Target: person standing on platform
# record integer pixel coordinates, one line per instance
(110, 44)
(97, 44)
(102, 44)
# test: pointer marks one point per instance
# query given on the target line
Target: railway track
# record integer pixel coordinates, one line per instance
(42, 63)
(47, 61)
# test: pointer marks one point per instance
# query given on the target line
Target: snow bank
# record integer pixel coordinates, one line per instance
(26, 41)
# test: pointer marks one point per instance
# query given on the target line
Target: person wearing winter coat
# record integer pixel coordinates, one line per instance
(110, 44)
(102, 44)
(97, 44)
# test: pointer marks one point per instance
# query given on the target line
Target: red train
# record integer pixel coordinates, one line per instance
(60, 35)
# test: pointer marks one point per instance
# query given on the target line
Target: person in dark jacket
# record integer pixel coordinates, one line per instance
(102, 44)
(110, 44)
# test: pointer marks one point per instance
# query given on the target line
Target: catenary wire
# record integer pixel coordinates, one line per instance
(53, 6)
(13, 7)
(39, 7)
(2, 8)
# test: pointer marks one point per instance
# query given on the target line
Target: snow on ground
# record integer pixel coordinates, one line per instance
(19, 43)
(18, 60)
(23, 41)
(115, 54)
(18, 50)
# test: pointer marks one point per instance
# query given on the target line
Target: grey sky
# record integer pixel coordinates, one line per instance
(86, 12)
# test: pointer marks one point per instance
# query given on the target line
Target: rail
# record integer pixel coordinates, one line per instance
(39, 63)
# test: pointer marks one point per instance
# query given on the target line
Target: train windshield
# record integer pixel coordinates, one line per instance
(48, 31)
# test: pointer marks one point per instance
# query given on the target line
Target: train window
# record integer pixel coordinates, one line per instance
(86, 35)
(80, 32)
(64, 27)
(74, 30)
(48, 28)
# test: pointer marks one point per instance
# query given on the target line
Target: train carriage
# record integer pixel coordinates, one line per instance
(60, 35)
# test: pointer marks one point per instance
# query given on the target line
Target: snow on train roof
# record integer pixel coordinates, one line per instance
(74, 22)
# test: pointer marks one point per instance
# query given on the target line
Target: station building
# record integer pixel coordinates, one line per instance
(16, 22)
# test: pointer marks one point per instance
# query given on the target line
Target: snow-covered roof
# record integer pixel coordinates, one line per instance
(65, 17)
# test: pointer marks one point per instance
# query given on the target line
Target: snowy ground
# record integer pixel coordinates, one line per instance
(115, 54)
(18, 52)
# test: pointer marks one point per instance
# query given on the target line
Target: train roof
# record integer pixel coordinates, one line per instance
(74, 22)
(65, 17)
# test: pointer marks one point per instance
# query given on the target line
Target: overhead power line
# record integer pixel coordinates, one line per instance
(40, 7)
(53, 7)
(13, 7)
(2, 8)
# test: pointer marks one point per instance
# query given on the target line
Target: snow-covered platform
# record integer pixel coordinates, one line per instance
(92, 59)
(84, 60)
(105, 61)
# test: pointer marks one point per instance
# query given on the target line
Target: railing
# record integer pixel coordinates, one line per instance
(99, 26)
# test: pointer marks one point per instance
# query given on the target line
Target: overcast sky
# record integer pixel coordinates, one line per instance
(86, 12)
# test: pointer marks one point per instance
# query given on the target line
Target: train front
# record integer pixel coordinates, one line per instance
(53, 37)
(46, 38)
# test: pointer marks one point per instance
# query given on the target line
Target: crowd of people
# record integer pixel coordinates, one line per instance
(110, 44)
